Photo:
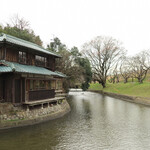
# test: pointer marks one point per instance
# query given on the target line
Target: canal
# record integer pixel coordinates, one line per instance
(95, 122)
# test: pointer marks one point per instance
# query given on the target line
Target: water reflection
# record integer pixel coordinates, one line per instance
(95, 122)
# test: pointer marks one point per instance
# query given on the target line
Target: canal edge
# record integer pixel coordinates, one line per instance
(133, 99)
(62, 110)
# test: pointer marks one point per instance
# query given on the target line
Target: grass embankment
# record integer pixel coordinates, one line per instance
(130, 88)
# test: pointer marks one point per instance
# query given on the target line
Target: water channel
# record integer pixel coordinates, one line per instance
(95, 122)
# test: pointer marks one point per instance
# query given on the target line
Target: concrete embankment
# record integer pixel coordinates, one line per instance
(133, 99)
(34, 116)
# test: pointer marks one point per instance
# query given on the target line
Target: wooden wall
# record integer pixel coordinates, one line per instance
(51, 62)
(11, 89)
(31, 59)
(6, 88)
(11, 55)
(1, 53)
(7, 85)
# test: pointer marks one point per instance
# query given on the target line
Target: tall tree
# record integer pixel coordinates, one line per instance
(140, 64)
(56, 45)
(114, 75)
(67, 66)
(19, 23)
(75, 53)
(84, 64)
(103, 53)
(67, 63)
(125, 69)
(20, 28)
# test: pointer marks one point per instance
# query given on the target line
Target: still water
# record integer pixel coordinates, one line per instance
(95, 122)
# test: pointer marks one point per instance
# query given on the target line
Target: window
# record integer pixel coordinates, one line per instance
(48, 85)
(42, 84)
(31, 85)
(59, 84)
(39, 84)
(22, 57)
(53, 84)
(41, 61)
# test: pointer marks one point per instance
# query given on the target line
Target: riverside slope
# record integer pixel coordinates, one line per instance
(133, 99)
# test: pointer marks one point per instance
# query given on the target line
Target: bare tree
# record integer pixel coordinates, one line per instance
(113, 76)
(125, 70)
(20, 23)
(116, 74)
(103, 53)
(110, 77)
(140, 65)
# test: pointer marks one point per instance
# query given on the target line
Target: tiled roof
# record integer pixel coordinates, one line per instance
(20, 42)
(5, 69)
(60, 74)
(19, 68)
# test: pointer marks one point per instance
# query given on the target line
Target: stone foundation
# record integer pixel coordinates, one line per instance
(22, 117)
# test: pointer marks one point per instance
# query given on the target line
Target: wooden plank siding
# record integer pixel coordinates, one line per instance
(30, 59)
(7, 83)
(10, 90)
(11, 55)
(2, 53)
(51, 61)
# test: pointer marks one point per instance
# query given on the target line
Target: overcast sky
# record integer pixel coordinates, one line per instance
(75, 22)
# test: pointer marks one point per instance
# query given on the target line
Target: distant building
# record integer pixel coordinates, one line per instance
(27, 72)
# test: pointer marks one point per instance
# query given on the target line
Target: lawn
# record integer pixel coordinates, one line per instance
(131, 88)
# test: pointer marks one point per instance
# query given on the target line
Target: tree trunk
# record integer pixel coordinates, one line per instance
(125, 80)
(113, 80)
(140, 80)
(132, 79)
(104, 85)
(117, 79)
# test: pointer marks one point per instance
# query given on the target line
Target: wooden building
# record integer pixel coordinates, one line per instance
(27, 72)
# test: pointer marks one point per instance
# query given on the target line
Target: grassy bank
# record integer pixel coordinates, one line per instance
(131, 88)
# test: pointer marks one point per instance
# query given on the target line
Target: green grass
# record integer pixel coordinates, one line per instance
(131, 88)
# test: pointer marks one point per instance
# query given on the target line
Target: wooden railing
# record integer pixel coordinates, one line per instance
(41, 94)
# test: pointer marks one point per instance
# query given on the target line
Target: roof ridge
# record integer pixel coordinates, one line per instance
(14, 37)
(5, 36)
